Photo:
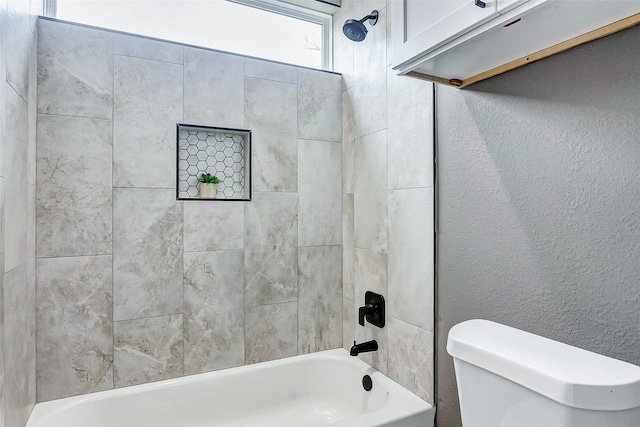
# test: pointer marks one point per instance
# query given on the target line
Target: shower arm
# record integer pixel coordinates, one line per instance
(368, 17)
(373, 17)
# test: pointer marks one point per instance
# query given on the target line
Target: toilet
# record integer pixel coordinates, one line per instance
(510, 378)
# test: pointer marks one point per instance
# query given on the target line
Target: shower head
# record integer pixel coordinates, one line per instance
(355, 30)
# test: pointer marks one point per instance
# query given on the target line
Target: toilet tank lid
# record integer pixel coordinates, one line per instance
(569, 375)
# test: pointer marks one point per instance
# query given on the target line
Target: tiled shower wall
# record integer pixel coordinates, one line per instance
(134, 286)
(387, 199)
(17, 210)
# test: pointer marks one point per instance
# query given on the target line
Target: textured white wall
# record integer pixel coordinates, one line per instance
(540, 203)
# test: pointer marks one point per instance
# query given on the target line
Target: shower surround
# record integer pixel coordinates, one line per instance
(134, 286)
(17, 210)
(388, 227)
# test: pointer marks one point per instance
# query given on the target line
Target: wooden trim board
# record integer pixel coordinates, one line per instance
(560, 47)
(422, 76)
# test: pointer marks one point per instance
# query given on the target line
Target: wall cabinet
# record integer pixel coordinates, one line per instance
(505, 5)
(432, 23)
(460, 42)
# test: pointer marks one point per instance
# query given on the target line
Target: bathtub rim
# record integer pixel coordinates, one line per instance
(399, 398)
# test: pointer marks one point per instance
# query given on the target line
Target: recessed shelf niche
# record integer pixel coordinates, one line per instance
(223, 152)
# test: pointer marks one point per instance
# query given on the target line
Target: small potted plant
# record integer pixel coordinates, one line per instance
(208, 184)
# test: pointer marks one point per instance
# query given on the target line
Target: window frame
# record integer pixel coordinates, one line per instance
(325, 20)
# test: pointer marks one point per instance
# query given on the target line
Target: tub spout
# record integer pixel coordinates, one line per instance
(363, 347)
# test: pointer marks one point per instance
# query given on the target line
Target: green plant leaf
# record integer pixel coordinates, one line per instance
(207, 178)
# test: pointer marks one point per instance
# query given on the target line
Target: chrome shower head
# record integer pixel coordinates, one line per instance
(355, 30)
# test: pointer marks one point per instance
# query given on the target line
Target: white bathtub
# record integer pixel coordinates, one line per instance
(316, 389)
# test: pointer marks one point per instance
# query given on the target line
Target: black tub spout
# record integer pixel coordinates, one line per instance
(363, 347)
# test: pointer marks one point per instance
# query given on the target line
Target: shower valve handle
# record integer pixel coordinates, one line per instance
(364, 310)
(373, 310)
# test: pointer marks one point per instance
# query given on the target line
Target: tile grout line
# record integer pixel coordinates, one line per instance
(184, 312)
(157, 316)
(113, 300)
(244, 220)
(76, 116)
(298, 213)
(122, 55)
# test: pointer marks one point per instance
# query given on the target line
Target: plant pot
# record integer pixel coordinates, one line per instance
(207, 191)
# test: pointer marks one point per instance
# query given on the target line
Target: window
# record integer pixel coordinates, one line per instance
(261, 28)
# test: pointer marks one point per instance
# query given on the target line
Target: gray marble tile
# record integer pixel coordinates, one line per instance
(319, 193)
(4, 5)
(348, 246)
(213, 226)
(348, 323)
(147, 350)
(75, 70)
(17, 6)
(147, 253)
(275, 161)
(411, 256)
(363, 7)
(409, 131)
(319, 106)
(214, 310)
(20, 343)
(213, 88)
(31, 234)
(319, 298)
(370, 55)
(141, 47)
(370, 107)
(369, 100)
(268, 70)
(3, 13)
(270, 106)
(74, 193)
(370, 192)
(19, 39)
(348, 129)
(389, 35)
(147, 106)
(15, 169)
(378, 359)
(411, 358)
(3, 88)
(32, 111)
(271, 249)
(74, 326)
(342, 46)
(270, 332)
(371, 275)
(2, 404)
(36, 8)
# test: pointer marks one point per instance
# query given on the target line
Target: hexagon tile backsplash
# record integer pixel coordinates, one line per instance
(225, 153)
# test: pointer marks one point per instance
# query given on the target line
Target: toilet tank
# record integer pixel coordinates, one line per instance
(510, 378)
